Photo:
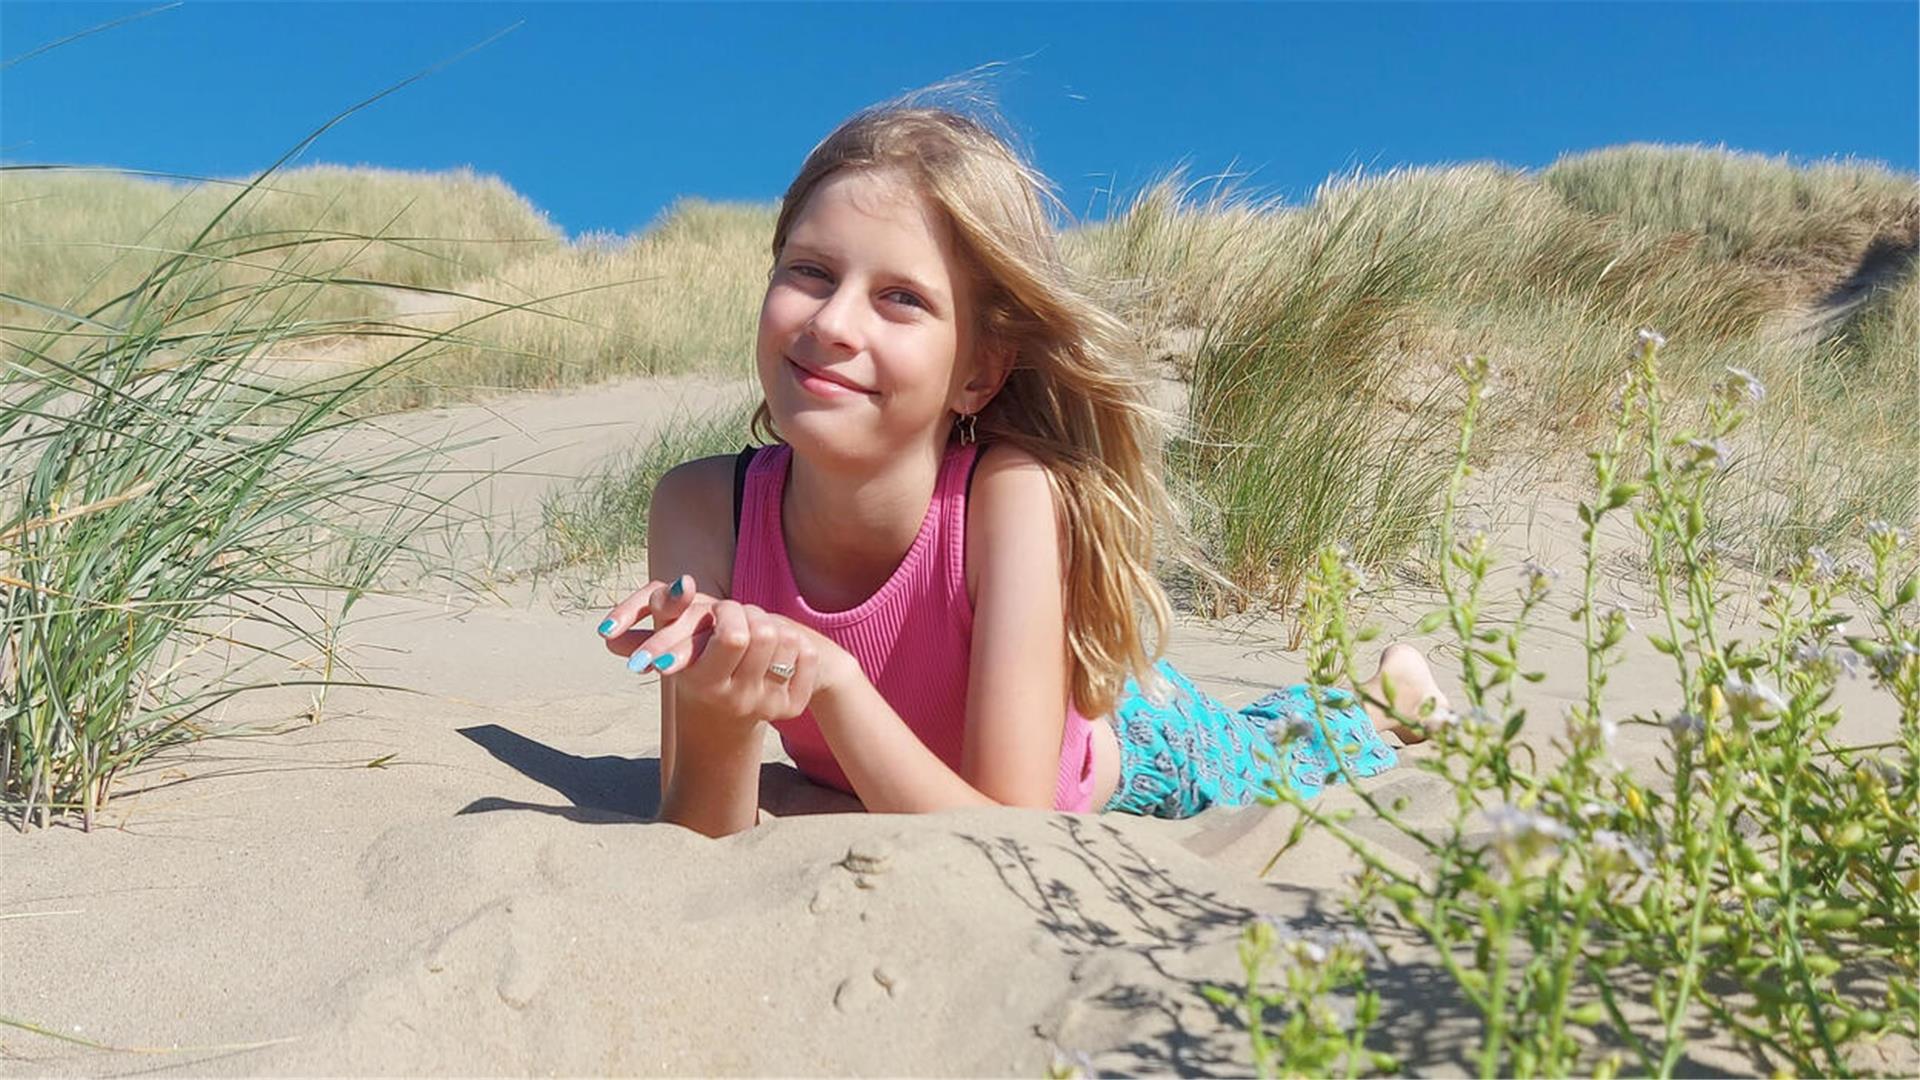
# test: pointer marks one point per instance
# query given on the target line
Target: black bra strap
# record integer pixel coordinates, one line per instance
(740, 464)
(745, 458)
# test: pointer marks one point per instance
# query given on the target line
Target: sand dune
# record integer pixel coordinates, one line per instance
(490, 897)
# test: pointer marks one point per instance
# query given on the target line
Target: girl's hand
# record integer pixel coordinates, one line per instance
(666, 602)
(735, 660)
(755, 665)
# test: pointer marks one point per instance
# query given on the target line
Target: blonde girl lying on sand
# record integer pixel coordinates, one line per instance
(929, 582)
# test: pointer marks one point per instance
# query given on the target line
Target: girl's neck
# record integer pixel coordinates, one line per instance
(847, 529)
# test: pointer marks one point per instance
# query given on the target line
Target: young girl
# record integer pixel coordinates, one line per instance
(930, 583)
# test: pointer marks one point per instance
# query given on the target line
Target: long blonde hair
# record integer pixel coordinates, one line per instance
(1078, 398)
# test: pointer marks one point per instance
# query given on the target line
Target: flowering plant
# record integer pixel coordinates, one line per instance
(1766, 883)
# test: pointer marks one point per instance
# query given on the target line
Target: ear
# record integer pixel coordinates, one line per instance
(993, 362)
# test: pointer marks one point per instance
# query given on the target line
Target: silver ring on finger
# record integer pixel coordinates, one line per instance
(781, 670)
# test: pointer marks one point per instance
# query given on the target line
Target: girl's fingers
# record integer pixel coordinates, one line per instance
(665, 601)
(763, 640)
(673, 599)
(806, 667)
(629, 611)
(729, 641)
(674, 644)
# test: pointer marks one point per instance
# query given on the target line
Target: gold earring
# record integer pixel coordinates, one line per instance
(966, 425)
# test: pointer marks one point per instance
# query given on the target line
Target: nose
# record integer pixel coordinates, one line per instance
(835, 321)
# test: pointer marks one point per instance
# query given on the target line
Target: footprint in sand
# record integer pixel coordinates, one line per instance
(866, 861)
(864, 990)
(521, 975)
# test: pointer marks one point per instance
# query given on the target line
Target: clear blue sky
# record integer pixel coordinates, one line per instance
(603, 113)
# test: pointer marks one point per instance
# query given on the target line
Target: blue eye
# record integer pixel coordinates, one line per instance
(811, 270)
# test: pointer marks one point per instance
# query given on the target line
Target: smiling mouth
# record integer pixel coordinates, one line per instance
(809, 374)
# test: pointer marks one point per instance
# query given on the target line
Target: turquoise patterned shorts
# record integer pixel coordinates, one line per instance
(1187, 752)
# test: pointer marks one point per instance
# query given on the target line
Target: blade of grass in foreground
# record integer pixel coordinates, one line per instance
(154, 485)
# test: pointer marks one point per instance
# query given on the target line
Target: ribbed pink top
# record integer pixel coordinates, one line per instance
(913, 637)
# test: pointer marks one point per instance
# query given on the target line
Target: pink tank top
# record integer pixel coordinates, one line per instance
(913, 638)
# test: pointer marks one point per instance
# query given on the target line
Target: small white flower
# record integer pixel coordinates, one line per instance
(1613, 846)
(1753, 698)
(1075, 1063)
(1882, 531)
(1888, 661)
(1290, 728)
(1882, 770)
(1525, 840)
(1474, 719)
(1317, 946)
(1539, 578)
(1704, 454)
(1650, 336)
(1823, 661)
(1620, 612)
(1686, 725)
(1820, 566)
(1741, 384)
(1849, 662)
(1357, 572)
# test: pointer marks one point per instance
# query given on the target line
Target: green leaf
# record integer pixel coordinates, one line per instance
(1430, 622)
(1220, 996)
(1589, 1014)
(1835, 918)
(1663, 644)
(1907, 591)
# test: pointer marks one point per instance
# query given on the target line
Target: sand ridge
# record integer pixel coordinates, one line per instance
(463, 879)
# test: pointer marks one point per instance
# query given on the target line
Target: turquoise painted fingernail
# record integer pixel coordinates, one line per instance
(639, 661)
(606, 628)
(679, 586)
(665, 662)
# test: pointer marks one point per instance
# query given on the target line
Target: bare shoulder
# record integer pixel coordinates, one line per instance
(1011, 513)
(690, 524)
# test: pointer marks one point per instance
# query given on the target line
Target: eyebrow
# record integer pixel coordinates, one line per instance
(931, 293)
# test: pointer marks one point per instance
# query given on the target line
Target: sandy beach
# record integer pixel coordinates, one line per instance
(462, 879)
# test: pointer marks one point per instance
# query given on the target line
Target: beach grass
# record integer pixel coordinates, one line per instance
(1324, 330)
(1319, 333)
(172, 516)
(91, 241)
(601, 523)
(680, 296)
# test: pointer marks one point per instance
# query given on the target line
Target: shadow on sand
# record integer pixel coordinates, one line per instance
(1425, 1021)
(612, 789)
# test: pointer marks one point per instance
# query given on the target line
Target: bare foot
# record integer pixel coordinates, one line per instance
(1404, 684)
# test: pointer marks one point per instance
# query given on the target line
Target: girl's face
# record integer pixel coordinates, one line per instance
(865, 334)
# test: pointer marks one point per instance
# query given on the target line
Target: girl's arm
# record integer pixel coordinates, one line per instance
(1016, 702)
(1017, 682)
(690, 530)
